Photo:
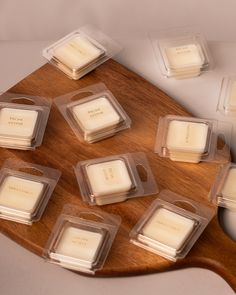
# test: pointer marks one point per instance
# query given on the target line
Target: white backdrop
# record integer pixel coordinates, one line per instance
(50, 19)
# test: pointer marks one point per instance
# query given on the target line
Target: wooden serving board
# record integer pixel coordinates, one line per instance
(144, 103)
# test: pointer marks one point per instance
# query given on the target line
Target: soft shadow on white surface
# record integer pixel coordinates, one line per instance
(24, 273)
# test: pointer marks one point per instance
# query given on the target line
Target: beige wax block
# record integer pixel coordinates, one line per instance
(186, 157)
(229, 188)
(185, 74)
(109, 178)
(96, 115)
(77, 52)
(188, 55)
(20, 194)
(168, 228)
(187, 136)
(18, 123)
(232, 97)
(108, 200)
(79, 244)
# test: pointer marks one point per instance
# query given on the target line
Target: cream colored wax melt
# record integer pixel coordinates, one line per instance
(108, 178)
(184, 61)
(95, 116)
(77, 246)
(231, 102)
(167, 231)
(19, 196)
(186, 141)
(77, 52)
(229, 189)
(17, 126)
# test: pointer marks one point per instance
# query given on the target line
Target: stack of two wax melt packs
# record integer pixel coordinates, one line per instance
(181, 53)
(23, 119)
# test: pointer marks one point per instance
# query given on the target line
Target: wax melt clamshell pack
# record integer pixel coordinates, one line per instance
(81, 51)
(223, 191)
(25, 190)
(181, 53)
(81, 239)
(94, 117)
(115, 178)
(189, 139)
(171, 225)
(23, 119)
(227, 97)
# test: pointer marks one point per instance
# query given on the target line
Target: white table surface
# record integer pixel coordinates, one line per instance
(22, 272)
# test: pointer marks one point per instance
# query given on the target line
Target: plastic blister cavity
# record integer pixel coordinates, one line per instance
(115, 178)
(23, 119)
(25, 190)
(189, 139)
(181, 53)
(81, 51)
(223, 191)
(81, 239)
(94, 117)
(171, 225)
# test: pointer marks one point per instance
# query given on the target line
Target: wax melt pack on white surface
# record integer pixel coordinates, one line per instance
(181, 53)
(81, 239)
(223, 191)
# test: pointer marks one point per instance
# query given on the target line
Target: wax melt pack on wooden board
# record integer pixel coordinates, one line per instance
(144, 104)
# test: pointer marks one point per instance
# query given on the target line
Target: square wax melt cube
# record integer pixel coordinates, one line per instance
(109, 178)
(186, 141)
(228, 192)
(185, 56)
(77, 52)
(17, 125)
(96, 115)
(78, 247)
(230, 102)
(20, 196)
(167, 231)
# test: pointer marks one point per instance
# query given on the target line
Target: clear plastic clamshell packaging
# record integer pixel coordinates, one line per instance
(96, 116)
(81, 51)
(181, 53)
(23, 119)
(171, 225)
(227, 97)
(25, 190)
(115, 178)
(223, 191)
(81, 239)
(189, 139)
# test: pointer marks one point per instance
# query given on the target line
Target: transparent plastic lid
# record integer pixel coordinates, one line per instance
(23, 120)
(223, 191)
(189, 139)
(94, 117)
(115, 179)
(181, 53)
(81, 239)
(81, 51)
(171, 225)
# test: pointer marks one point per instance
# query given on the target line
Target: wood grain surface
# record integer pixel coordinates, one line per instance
(144, 103)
